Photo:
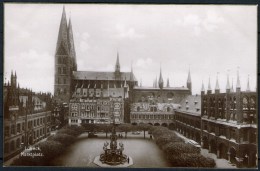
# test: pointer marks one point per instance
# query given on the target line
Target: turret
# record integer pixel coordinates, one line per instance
(217, 89)
(202, 89)
(168, 83)
(209, 87)
(228, 85)
(248, 86)
(238, 87)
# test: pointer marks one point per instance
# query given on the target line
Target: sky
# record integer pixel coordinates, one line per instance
(210, 40)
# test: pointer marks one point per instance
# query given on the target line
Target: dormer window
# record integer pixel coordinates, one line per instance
(186, 101)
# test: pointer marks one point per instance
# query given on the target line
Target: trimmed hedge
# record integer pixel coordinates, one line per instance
(178, 148)
(191, 160)
(51, 149)
(179, 153)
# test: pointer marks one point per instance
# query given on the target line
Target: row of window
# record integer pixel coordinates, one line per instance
(19, 127)
(90, 114)
(151, 116)
(188, 121)
(62, 70)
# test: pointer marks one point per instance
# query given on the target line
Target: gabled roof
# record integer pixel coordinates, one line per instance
(96, 75)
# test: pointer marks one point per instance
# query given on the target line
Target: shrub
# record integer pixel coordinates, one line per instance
(78, 129)
(28, 161)
(51, 149)
(178, 148)
(64, 139)
(191, 160)
(165, 139)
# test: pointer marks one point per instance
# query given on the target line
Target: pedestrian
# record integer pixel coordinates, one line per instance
(128, 160)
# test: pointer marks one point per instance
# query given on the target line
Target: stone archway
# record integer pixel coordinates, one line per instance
(197, 138)
(156, 124)
(205, 142)
(213, 146)
(150, 124)
(164, 124)
(222, 151)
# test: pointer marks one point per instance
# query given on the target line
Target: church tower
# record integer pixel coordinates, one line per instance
(65, 61)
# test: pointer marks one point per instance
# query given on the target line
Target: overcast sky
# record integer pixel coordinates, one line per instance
(209, 39)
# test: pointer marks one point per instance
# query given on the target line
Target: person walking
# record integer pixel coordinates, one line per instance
(128, 160)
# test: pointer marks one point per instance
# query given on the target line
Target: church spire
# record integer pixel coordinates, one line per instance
(71, 46)
(117, 68)
(232, 88)
(160, 79)
(62, 43)
(189, 82)
(248, 86)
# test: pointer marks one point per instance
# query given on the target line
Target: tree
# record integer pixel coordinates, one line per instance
(125, 128)
(144, 127)
(106, 128)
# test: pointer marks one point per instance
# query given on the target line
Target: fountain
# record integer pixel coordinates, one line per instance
(113, 155)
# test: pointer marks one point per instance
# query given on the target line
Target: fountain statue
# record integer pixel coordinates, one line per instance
(113, 155)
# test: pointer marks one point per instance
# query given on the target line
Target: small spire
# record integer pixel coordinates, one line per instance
(217, 85)
(228, 85)
(248, 86)
(189, 77)
(141, 82)
(202, 87)
(238, 80)
(160, 78)
(209, 87)
(11, 73)
(232, 88)
(117, 69)
(156, 82)
(168, 83)
(15, 73)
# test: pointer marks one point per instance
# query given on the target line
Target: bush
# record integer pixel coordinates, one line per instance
(78, 129)
(178, 148)
(28, 161)
(51, 149)
(191, 160)
(64, 139)
(165, 139)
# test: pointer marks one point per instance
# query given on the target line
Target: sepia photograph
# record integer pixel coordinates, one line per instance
(130, 86)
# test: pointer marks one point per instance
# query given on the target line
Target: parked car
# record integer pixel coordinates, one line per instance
(92, 135)
(136, 132)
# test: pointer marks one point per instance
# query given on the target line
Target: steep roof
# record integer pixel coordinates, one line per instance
(191, 105)
(96, 75)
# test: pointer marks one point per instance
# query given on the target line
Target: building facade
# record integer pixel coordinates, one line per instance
(156, 105)
(187, 118)
(27, 117)
(229, 124)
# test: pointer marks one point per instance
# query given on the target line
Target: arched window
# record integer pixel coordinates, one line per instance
(138, 108)
(168, 109)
